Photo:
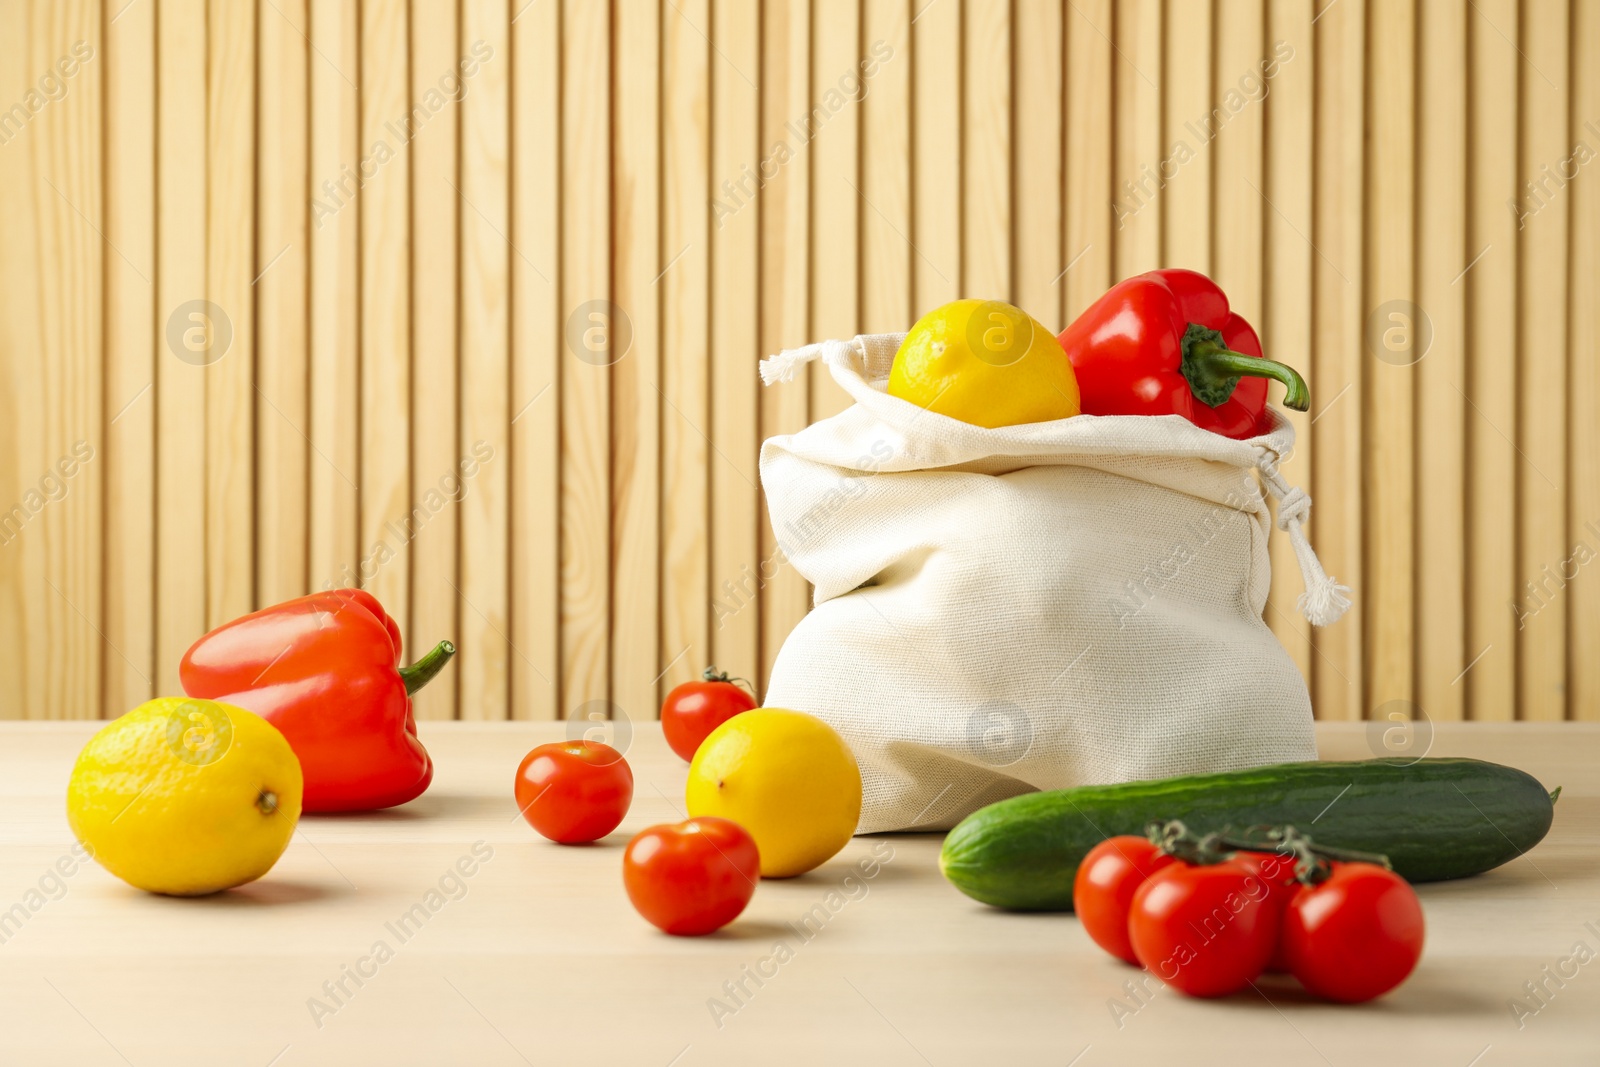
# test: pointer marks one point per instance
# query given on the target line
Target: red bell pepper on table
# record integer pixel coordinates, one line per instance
(1166, 343)
(324, 669)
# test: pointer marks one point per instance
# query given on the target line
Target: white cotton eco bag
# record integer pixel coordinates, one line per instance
(1031, 607)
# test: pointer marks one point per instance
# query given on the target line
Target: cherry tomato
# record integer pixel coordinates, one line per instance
(1355, 936)
(1274, 868)
(1277, 872)
(1103, 890)
(692, 877)
(1203, 929)
(693, 709)
(574, 791)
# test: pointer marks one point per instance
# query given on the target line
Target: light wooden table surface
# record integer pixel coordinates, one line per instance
(539, 959)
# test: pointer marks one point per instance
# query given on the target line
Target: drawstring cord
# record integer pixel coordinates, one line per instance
(1324, 599)
(874, 352)
(782, 367)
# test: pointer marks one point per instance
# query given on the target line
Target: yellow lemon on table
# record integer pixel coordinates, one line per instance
(185, 797)
(987, 363)
(786, 777)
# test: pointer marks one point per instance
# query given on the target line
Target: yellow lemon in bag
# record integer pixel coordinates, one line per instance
(986, 363)
(786, 777)
(185, 797)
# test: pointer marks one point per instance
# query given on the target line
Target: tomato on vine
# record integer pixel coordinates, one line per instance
(1207, 914)
(1203, 928)
(1355, 935)
(1277, 871)
(1103, 890)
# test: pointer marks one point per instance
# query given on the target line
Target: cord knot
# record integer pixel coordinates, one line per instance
(1293, 507)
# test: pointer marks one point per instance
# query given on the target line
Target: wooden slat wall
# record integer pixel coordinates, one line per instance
(436, 352)
(182, 566)
(52, 372)
(1584, 383)
(636, 405)
(279, 275)
(1542, 297)
(783, 261)
(1288, 264)
(1494, 181)
(1441, 237)
(532, 463)
(730, 331)
(482, 191)
(130, 350)
(1339, 359)
(496, 274)
(1388, 420)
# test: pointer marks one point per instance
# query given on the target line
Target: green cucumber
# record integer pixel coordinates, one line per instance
(1434, 818)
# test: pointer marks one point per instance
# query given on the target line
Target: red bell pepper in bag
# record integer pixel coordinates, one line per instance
(1166, 343)
(324, 669)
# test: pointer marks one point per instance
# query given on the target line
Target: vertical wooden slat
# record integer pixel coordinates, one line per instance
(1243, 86)
(1337, 364)
(1441, 577)
(438, 484)
(181, 483)
(837, 84)
(1394, 338)
(887, 303)
(73, 319)
(1490, 389)
(1583, 427)
(784, 202)
(485, 340)
(985, 157)
(589, 330)
(51, 271)
(1136, 181)
(385, 305)
(735, 343)
(20, 595)
(282, 409)
(636, 397)
(1195, 114)
(1088, 247)
(1036, 229)
(71, 316)
(687, 461)
(335, 232)
(1543, 550)
(937, 112)
(1237, 213)
(131, 352)
(1288, 264)
(537, 350)
(230, 270)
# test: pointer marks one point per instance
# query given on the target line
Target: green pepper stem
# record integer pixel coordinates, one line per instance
(421, 672)
(1208, 363)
